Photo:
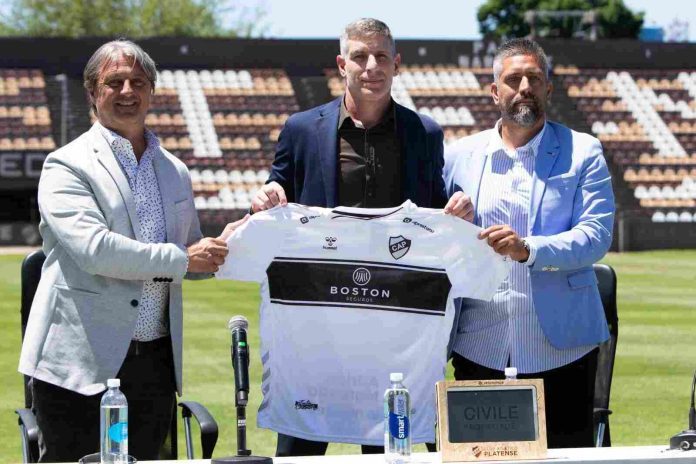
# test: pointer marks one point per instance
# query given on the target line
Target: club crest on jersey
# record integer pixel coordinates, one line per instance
(399, 246)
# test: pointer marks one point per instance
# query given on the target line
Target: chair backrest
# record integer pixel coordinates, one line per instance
(31, 274)
(606, 278)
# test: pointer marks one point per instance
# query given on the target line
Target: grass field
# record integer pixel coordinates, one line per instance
(656, 354)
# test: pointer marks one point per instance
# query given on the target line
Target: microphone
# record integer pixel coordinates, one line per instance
(686, 440)
(238, 326)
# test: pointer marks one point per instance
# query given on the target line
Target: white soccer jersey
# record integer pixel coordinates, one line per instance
(348, 296)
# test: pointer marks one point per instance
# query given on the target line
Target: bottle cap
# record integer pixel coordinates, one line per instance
(510, 372)
(396, 377)
(113, 383)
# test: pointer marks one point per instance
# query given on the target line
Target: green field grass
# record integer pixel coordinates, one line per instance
(652, 376)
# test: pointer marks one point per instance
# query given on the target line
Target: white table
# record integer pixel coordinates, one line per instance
(613, 455)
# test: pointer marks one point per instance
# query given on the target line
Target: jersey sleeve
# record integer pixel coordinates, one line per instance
(253, 245)
(473, 268)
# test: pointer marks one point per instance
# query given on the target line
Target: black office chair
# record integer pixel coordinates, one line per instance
(606, 278)
(29, 430)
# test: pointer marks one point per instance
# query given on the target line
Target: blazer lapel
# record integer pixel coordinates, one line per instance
(474, 175)
(327, 143)
(106, 157)
(545, 159)
(165, 179)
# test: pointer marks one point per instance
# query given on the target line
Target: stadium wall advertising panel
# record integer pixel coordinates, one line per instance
(20, 170)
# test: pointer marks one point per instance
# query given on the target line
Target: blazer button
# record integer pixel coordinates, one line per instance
(155, 279)
(170, 280)
(134, 303)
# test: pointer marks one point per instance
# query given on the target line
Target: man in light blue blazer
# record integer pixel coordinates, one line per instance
(120, 232)
(542, 194)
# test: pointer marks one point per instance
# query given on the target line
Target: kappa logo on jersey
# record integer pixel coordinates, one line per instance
(330, 243)
(399, 246)
(361, 276)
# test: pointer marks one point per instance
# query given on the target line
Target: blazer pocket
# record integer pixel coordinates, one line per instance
(562, 177)
(79, 291)
(583, 278)
(181, 204)
(67, 340)
(562, 182)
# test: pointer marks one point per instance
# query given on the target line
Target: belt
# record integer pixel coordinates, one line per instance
(138, 348)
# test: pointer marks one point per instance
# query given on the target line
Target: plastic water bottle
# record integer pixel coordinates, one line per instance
(397, 426)
(114, 425)
(510, 373)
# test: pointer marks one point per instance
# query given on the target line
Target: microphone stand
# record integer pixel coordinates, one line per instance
(241, 429)
(243, 454)
(686, 440)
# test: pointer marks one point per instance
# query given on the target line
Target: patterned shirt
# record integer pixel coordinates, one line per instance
(152, 311)
(506, 331)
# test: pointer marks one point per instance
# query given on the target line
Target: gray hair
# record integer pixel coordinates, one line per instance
(516, 47)
(112, 51)
(366, 27)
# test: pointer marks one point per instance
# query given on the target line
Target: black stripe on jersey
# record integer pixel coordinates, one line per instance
(359, 285)
(363, 216)
(359, 306)
(358, 262)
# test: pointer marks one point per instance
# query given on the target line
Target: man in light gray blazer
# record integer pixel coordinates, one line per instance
(120, 232)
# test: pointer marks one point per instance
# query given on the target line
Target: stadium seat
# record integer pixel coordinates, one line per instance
(29, 429)
(200, 202)
(672, 216)
(658, 216)
(686, 216)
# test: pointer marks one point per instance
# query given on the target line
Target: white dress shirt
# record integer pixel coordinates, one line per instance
(505, 331)
(152, 311)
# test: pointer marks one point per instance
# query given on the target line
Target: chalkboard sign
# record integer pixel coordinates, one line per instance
(491, 420)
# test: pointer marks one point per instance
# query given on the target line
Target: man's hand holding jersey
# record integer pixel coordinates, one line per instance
(268, 196)
(460, 205)
(208, 253)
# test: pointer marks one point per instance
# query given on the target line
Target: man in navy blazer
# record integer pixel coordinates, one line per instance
(316, 157)
(361, 150)
(543, 195)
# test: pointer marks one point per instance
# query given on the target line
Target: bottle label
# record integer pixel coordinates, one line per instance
(118, 432)
(398, 426)
(398, 419)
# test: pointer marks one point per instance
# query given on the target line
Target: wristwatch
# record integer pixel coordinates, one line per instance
(526, 247)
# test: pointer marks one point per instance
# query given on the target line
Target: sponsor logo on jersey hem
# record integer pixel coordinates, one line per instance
(306, 404)
(399, 246)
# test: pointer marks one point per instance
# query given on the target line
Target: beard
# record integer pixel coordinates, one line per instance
(525, 115)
